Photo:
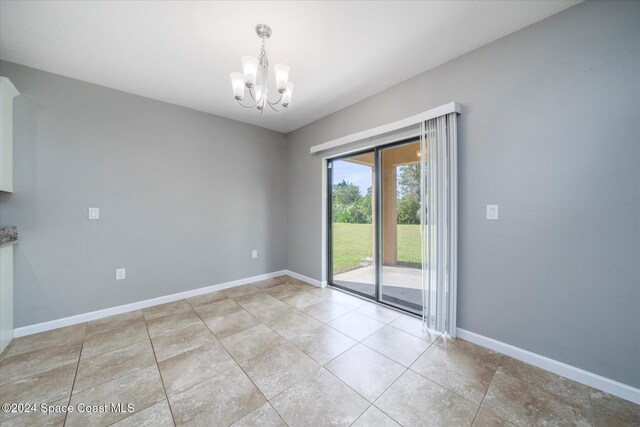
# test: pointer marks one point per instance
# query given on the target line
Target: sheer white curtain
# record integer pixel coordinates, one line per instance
(439, 222)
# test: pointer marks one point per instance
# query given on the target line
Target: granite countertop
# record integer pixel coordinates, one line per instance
(8, 234)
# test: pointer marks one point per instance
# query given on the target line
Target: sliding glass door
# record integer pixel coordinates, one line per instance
(401, 244)
(351, 223)
(375, 246)
(393, 221)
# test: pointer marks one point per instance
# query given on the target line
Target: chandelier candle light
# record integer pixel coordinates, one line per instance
(255, 78)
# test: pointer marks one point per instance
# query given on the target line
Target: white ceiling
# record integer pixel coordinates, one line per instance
(183, 51)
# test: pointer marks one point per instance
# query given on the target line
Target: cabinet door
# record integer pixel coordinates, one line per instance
(6, 295)
(7, 93)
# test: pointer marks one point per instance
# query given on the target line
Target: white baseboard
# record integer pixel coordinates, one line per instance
(99, 314)
(599, 382)
(309, 280)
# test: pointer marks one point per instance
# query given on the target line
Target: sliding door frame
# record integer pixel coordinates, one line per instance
(379, 215)
(377, 244)
(329, 221)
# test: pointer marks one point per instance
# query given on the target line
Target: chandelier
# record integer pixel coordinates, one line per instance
(255, 78)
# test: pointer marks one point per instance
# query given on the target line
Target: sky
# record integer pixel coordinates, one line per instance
(354, 173)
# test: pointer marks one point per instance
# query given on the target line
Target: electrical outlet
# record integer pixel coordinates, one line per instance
(254, 253)
(120, 274)
(492, 212)
(94, 213)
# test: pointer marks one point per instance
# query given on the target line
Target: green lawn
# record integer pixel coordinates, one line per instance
(409, 247)
(353, 246)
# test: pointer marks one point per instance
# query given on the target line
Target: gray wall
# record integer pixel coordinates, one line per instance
(550, 131)
(184, 197)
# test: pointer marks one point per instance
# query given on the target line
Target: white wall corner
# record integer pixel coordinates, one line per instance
(307, 279)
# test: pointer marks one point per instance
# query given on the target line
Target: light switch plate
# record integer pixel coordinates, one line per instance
(492, 212)
(254, 253)
(120, 273)
(94, 213)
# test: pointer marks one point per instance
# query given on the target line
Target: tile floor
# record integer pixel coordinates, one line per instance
(282, 352)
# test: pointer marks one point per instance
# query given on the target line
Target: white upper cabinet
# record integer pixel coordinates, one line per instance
(7, 92)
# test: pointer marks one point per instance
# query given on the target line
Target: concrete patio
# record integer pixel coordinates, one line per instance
(401, 285)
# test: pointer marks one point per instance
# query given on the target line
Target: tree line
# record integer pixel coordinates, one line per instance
(349, 206)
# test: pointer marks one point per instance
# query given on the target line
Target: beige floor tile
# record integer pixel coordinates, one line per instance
(294, 324)
(282, 290)
(376, 311)
(204, 299)
(264, 416)
(239, 291)
(562, 388)
(258, 297)
(218, 401)
(188, 369)
(366, 371)
(323, 343)
(319, 400)
(397, 345)
(142, 388)
(45, 387)
(301, 300)
(131, 333)
(289, 280)
(158, 415)
(217, 309)
(232, 323)
(485, 418)
(38, 418)
(415, 401)
(526, 404)
(269, 310)
(356, 325)
(454, 375)
(69, 335)
(456, 372)
(162, 310)
(109, 366)
(609, 410)
(278, 368)
(326, 311)
(269, 283)
(413, 326)
(304, 286)
(374, 417)
(172, 322)
(347, 300)
(111, 323)
(484, 356)
(27, 364)
(325, 292)
(252, 342)
(182, 340)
